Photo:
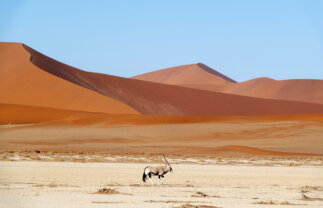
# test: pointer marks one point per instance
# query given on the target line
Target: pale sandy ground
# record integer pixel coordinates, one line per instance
(69, 184)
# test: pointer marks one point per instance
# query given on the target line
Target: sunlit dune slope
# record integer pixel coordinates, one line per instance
(21, 82)
(305, 90)
(197, 76)
(159, 99)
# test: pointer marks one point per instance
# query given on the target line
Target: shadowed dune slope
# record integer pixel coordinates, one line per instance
(21, 82)
(199, 76)
(159, 99)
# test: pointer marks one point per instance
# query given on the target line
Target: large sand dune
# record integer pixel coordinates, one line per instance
(160, 99)
(21, 82)
(195, 76)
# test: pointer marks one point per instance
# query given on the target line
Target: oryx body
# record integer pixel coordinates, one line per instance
(159, 171)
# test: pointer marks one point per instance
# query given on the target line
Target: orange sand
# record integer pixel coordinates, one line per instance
(197, 76)
(159, 99)
(23, 83)
(194, 76)
(62, 130)
(20, 114)
(72, 110)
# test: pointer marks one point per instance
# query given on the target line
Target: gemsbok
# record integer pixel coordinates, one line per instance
(159, 171)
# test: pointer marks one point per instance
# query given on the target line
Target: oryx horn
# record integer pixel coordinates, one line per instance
(166, 160)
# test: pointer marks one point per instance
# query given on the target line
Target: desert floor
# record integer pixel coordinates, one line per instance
(218, 162)
(75, 184)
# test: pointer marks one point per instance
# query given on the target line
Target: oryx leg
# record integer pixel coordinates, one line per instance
(149, 177)
(162, 179)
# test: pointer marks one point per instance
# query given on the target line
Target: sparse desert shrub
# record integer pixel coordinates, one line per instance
(53, 185)
(285, 203)
(194, 206)
(199, 194)
(291, 164)
(266, 202)
(107, 191)
(36, 158)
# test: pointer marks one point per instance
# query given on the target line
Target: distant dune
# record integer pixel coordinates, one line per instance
(151, 98)
(306, 90)
(23, 83)
(195, 76)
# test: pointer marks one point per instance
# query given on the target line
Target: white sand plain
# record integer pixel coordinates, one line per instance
(35, 184)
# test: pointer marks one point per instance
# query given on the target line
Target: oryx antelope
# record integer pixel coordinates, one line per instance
(159, 171)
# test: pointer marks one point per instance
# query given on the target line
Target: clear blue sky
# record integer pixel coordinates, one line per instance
(281, 39)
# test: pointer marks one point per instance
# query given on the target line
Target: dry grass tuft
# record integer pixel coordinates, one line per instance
(305, 189)
(286, 203)
(307, 198)
(107, 191)
(199, 194)
(266, 202)
(53, 185)
(136, 185)
(275, 203)
(195, 206)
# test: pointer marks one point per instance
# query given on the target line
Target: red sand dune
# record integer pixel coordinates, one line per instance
(159, 99)
(21, 82)
(197, 76)
(194, 76)
(306, 90)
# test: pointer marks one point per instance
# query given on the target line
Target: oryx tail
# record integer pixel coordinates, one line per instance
(144, 175)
